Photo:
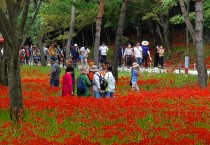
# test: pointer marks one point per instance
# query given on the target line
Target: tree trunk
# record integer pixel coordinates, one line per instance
(15, 90)
(98, 32)
(4, 71)
(201, 66)
(187, 20)
(119, 35)
(43, 61)
(71, 30)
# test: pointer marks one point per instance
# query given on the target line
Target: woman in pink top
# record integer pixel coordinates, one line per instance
(67, 83)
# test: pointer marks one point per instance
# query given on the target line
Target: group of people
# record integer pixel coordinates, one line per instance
(29, 55)
(102, 81)
(141, 53)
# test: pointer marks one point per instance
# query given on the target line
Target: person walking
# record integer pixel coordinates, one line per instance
(134, 77)
(83, 82)
(120, 56)
(55, 73)
(146, 53)
(103, 52)
(67, 88)
(161, 55)
(138, 54)
(69, 64)
(128, 56)
(84, 51)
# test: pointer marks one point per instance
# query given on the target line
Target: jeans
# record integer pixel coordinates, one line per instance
(54, 83)
(109, 94)
(139, 60)
(97, 94)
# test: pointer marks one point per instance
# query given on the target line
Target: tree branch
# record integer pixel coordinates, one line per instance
(24, 15)
(5, 27)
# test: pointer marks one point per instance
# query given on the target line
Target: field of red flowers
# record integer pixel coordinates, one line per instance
(170, 109)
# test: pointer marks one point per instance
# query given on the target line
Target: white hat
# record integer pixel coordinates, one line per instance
(94, 68)
(75, 44)
(145, 43)
(135, 64)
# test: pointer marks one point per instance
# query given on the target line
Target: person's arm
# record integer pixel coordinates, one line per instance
(149, 55)
(97, 81)
(88, 82)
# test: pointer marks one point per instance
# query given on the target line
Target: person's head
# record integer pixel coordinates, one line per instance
(103, 43)
(137, 44)
(135, 65)
(104, 65)
(109, 68)
(69, 69)
(84, 70)
(129, 45)
(91, 64)
(69, 62)
(94, 68)
(53, 60)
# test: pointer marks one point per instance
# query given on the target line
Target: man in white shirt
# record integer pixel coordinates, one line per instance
(138, 54)
(84, 51)
(103, 52)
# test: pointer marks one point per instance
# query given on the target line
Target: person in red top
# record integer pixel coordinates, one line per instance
(67, 88)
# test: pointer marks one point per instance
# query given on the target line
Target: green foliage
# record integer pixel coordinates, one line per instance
(179, 19)
(207, 13)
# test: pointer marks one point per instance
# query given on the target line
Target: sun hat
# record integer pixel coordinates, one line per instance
(83, 70)
(135, 64)
(94, 68)
(145, 43)
(75, 44)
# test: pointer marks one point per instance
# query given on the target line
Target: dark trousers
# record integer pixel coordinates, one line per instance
(161, 61)
(103, 58)
(120, 61)
(128, 60)
(145, 59)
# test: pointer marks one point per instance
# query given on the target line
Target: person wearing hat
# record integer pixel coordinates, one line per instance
(55, 73)
(67, 88)
(146, 53)
(83, 77)
(96, 82)
(52, 51)
(134, 77)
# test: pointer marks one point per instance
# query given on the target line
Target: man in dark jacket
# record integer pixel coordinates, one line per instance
(55, 73)
(120, 55)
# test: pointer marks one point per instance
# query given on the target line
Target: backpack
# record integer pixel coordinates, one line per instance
(81, 86)
(103, 82)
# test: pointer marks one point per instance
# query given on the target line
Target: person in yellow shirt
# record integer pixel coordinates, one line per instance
(52, 51)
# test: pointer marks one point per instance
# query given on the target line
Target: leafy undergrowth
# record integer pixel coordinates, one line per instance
(170, 109)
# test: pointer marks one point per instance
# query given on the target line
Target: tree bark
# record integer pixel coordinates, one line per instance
(187, 20)
(15, 90)
(71, 30)
(118, 39)
(201, 66)
(98, 32)
(40, 46)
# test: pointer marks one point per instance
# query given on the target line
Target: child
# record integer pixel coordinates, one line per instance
(134, 77)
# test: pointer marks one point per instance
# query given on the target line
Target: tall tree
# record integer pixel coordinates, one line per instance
(14, 33)
(98, 32)
(197, 36)
(71, 30)
(119, 35)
